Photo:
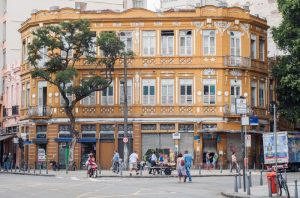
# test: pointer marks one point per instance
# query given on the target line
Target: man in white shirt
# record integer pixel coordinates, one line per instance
(133, 159)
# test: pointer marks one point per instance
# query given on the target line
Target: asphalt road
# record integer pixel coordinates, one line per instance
(21, 186)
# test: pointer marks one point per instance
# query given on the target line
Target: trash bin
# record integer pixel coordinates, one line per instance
(272, 178)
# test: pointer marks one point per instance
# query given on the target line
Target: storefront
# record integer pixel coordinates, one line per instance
(88, 142)
(107, 145)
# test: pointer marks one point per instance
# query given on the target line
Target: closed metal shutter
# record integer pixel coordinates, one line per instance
(234, 145)
(157, 141)
(149, 141)
(186, 142)
(166, 141)
(209, 145)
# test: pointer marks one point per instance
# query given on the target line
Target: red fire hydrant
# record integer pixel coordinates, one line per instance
(272, 178)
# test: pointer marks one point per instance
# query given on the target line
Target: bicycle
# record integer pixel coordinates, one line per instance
(282, 184)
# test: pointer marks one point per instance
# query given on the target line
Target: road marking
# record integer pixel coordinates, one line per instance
(75, 178)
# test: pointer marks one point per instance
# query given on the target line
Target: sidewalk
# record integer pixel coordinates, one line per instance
(109, 173)
(259, 191)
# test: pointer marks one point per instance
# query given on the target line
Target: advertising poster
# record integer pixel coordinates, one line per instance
(269, 148)
(294, 147)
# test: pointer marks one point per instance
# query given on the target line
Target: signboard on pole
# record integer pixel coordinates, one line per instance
(248, 140)
(241, 106)
(253, 120)
(176, 136)
(41, 155)
(245, 121)
(269, 147)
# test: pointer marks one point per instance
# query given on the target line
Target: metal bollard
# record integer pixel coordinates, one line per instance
(250, 178)
(28, 168)
(160, 170)
(40, 168)
(235, 183)
(240, 180)
(141, 171)
(47, 167)
(200, 169)
(221, 168)
(296, 189)
(261, 179)
(121, 171)
(285, 176)
(254, 167)
(230, 167)
(269, 187)
(249, 184)
(16, 167)
(11, 167)
(34, 168)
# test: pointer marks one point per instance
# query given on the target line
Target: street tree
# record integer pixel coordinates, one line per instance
(287, 68)
(62, 48)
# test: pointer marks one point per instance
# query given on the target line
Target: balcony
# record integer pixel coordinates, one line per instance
(237, 61)
(39, 111)
(229, 110)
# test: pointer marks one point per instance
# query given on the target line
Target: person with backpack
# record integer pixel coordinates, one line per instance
(180, 166)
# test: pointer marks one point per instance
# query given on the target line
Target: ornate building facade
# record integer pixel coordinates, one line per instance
(189, 68)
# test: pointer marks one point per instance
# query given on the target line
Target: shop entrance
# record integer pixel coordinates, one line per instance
(62, 147)
(106, 154)
(86, 149)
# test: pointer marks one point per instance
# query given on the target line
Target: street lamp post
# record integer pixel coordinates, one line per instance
(125, 112)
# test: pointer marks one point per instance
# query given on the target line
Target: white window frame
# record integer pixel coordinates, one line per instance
(253, 94)
(253, 46)
(106, 97)
(44, 58)
(148, 99)
(209, 42)
(138, 3)
(167, 44)
(185, 49)
(129, 92)
(235, 48)
(209, 98)
(69, 96)
(149, 42)
(262, 94)
(186, 99)
(167, 91)
(261, 49)
(127, 38)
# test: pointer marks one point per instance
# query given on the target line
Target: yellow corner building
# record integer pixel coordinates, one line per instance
(189, 68)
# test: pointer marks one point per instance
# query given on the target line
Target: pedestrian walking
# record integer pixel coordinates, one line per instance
(153, 160)
(115, 162)
(207, 160)
(180, 166)
(215, 160)
(234, 162)
(188, 159)
(5, 158)
(133, 159)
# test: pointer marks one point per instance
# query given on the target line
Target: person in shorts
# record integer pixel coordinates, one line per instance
(133, 159)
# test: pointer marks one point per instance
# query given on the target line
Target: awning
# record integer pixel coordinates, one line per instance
(5, 137)
(83, 140)
(40, 141)
(63, 139)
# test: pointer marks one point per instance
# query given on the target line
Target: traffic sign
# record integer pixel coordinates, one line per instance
(254, 121)
(125, 139)
(248, 140)
(241, 106)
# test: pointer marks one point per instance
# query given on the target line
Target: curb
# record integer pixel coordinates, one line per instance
(30, 174)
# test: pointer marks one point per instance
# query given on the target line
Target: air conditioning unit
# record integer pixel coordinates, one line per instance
(53, 8)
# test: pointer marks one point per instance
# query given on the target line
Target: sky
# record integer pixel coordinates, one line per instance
(153, 4)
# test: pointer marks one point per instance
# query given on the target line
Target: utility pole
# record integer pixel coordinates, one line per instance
(125, 157)
(275, 140)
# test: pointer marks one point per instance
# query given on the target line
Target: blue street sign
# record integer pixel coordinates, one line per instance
(253, 120)
(28, 142)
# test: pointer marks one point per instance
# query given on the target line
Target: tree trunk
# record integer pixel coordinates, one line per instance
(74, 135)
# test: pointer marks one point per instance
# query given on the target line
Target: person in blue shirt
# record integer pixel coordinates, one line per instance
(188, 159)
(116, 162)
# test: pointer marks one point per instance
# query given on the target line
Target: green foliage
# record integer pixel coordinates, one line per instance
(287, 69)
(59, 47)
